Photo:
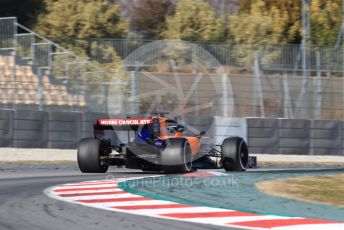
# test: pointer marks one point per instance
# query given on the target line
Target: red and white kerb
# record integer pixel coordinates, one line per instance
(105, 194)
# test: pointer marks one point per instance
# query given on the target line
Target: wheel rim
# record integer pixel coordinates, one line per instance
(243, 156)
(187, 159)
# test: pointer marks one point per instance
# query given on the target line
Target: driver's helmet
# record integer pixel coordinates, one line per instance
(143, 134)
(171, 128)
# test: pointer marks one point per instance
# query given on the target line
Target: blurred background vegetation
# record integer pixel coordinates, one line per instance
(235, 21)
(71, 23)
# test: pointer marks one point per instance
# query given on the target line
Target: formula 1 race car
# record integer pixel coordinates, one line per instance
(157, 144)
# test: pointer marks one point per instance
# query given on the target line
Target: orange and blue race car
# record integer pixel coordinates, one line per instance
(157, 143)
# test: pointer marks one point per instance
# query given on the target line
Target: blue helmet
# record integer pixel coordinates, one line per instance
(143, 134)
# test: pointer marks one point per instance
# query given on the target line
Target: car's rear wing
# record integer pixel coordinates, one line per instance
(119, 124)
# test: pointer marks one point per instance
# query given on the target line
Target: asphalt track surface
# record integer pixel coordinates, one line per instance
(23, 205)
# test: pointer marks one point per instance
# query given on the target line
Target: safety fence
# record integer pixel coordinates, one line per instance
(236, 57)
(186, 78)
(141, 92)
(276, 95)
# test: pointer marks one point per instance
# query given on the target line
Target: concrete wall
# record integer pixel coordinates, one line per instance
(63, 130)
(38, 129)
(262, 135)
(326, 137)
(6, 127)
(295, 136)
(30, 129)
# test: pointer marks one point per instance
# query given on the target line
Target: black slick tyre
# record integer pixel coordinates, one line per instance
(89, 152)
(176, 157)
(234, 154)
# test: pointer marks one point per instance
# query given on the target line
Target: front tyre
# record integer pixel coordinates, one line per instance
(234, 154)
(176, 157)
(89, 152)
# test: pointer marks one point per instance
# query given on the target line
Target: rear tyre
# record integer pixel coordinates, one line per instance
(89, 152)
(234, 154)
(176, 157)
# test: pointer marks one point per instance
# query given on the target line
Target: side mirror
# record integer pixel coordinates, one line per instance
(180, 128)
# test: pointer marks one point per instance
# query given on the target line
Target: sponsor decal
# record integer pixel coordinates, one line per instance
(129, 121)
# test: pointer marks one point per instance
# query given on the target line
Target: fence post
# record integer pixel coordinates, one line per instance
(40, 88)
(225, 94)
(105, 90)
(343, 57)
(196, 92)
(197, 101)
(133, 92)
(318, 94)
(257, 87)
(14, 54)
(228, 61)
(14, 79)
(305, 35)
(78, 82)
(301, 101)
(287, 109)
